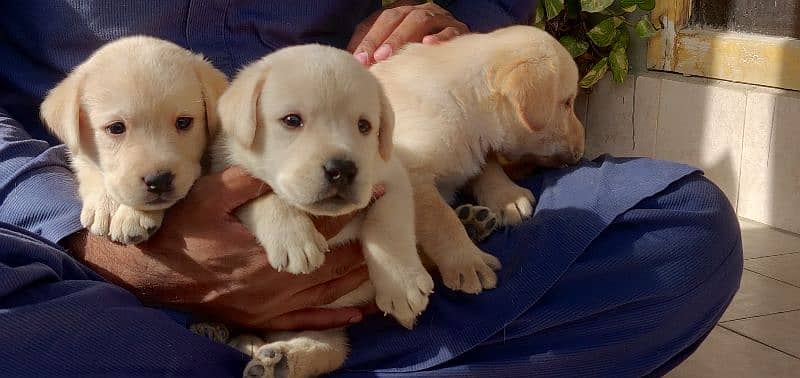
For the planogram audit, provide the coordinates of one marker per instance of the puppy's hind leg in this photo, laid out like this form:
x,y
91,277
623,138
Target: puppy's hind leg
x,y
478,221
299,355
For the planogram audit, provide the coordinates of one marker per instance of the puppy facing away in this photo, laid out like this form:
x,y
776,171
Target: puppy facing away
x,y
136,117
314,124
462,106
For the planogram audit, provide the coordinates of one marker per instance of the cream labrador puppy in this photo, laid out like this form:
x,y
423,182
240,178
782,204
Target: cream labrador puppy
x,y
136,117
316,126
461,108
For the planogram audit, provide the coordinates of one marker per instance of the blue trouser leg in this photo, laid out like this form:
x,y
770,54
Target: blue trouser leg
x,y
635,301
649,287
57,318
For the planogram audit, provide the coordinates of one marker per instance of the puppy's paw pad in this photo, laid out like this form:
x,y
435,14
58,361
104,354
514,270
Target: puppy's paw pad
x,y
478,221
282,359
214,331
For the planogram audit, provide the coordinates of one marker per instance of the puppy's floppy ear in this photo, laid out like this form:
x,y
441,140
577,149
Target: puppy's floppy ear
x,y
520,81
238,106
386,129
61,110
214,83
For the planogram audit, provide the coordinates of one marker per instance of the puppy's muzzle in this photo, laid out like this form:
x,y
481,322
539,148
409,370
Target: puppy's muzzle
x,y
340,173
160,182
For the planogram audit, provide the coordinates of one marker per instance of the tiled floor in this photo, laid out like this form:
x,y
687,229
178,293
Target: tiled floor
x,y
759,335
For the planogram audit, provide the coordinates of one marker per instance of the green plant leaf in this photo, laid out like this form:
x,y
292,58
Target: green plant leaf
x,y
618,62
623,37
594,6
629,8
603,34
645,28
553,7
628,3
595,74
647,5
612,11
539,17
575,46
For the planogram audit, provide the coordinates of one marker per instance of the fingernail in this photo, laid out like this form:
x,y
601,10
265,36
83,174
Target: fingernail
x,y
383,52
430,40
362,57
355,319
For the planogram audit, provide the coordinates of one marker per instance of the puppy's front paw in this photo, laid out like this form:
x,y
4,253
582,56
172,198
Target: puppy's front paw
x,y
478,221
295,247
285,359
404,297
511,202
470,270
131,226
96,214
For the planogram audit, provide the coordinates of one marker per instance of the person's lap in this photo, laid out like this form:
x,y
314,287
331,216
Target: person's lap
x,y
626,264
636,298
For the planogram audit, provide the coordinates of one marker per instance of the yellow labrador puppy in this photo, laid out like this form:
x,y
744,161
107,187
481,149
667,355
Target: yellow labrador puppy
x,y
136,117
315,125
461,104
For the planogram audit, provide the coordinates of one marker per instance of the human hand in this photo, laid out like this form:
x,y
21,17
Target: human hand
x,y
381,34
203,260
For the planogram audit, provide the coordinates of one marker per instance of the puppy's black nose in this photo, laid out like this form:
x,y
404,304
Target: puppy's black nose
x,y
159,182
340,172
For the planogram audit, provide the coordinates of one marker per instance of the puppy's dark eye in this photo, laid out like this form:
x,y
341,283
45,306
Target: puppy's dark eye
x,y
292,121
364,126
116,128
183,123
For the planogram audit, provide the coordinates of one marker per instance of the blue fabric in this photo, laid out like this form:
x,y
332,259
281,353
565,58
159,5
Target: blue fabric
x,y
625,266
606,279
38,191
42,40
58,318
